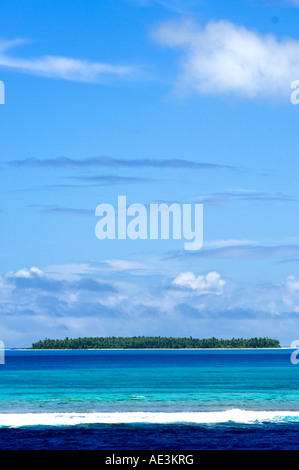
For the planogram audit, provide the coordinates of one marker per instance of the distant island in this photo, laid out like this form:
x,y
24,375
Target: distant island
x,y
154,342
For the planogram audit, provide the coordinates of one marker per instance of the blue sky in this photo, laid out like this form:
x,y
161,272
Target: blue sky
x,y
161,101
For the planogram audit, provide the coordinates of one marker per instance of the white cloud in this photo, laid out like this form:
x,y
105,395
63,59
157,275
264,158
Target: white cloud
x,y
292,284
225,58
62,67
28,273
211,283
290,297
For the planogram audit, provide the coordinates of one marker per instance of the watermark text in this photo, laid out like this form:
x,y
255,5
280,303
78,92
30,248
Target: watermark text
x,y
158,221
294,355
2,92
295,93
2,352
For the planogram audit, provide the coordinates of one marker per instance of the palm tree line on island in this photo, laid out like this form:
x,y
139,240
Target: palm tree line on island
x,y
154,342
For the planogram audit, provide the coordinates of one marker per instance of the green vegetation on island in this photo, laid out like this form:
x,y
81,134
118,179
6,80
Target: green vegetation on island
x,y
154,342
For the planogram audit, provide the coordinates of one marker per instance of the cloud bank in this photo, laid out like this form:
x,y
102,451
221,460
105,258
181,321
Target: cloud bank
x,y
110,299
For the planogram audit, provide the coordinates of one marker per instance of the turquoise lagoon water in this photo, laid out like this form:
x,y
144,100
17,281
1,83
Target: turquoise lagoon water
x,y
146,393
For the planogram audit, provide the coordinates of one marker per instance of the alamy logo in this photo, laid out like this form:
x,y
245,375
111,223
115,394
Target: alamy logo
x,y
2,93
2,351
294,355
151,222
295,93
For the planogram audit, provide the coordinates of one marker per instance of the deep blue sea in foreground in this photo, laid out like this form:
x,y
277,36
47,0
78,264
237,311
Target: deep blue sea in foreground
x,y
149,400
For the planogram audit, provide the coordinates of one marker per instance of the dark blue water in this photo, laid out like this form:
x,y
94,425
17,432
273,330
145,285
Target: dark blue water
x,y
153,437
167,400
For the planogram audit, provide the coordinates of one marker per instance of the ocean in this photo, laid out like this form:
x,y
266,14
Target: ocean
x,y
149,400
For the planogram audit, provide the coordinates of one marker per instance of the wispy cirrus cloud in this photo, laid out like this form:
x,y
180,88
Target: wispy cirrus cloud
x,y
67,211
85,182
245,195
243,251
110,179
229,243
59,67
110,162
177,6
225,58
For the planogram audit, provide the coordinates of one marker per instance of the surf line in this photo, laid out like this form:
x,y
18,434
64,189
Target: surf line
x,y
111,226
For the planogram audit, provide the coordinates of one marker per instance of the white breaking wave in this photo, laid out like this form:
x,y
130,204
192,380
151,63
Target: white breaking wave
x,y
71,419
